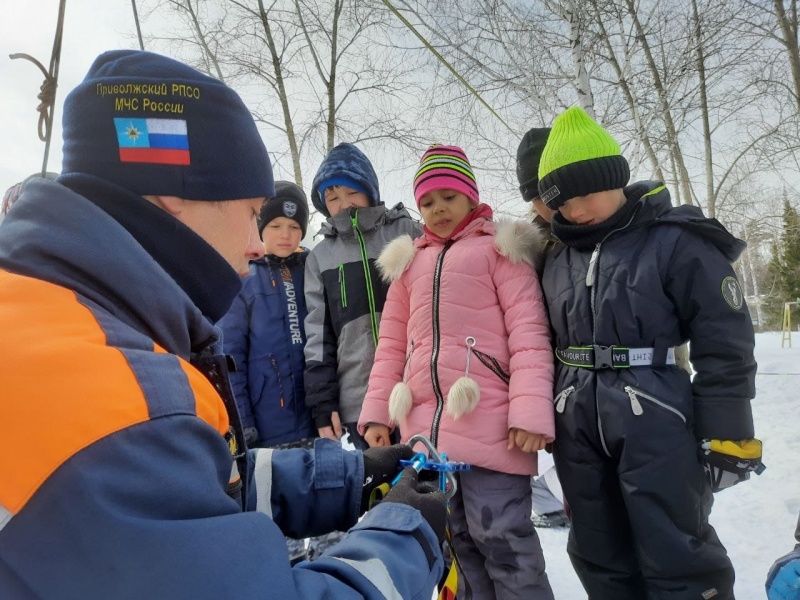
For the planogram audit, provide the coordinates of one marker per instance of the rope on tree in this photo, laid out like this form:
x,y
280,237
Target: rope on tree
x,y
47,93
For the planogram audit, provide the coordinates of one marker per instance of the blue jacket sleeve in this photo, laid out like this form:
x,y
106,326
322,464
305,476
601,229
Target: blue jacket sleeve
x,y
143,513
235,326
391,553
307,493
714,316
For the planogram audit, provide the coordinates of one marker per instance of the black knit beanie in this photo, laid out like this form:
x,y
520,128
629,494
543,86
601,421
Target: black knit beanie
x,y
289,201
528,155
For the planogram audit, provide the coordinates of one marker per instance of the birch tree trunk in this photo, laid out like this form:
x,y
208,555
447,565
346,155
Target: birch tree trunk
x,y
676,154
711,203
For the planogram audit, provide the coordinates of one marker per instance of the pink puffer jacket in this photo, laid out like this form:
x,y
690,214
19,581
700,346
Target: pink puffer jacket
x,y
487,292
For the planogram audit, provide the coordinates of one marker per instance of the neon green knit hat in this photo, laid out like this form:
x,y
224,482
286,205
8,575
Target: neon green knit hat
x,y
580,158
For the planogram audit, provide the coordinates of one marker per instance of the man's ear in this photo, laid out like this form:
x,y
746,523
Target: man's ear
x,y
172,204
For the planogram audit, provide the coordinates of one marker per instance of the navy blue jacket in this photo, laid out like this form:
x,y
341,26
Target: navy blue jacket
x,y
660,280
264,333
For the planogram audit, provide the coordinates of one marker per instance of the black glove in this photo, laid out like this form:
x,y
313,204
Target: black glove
x,y
424,496
250,436
729,462
381,465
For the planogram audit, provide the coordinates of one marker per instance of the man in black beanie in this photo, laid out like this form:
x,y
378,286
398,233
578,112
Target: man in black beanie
x,y
138,483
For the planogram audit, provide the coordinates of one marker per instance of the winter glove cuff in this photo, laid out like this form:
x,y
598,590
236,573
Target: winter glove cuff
x,y
728,462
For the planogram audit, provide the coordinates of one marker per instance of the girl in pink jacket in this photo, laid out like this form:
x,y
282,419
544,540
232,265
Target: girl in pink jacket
x,y
464,357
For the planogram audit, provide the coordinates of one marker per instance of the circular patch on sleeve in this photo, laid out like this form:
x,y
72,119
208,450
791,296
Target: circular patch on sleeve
x,y
732,292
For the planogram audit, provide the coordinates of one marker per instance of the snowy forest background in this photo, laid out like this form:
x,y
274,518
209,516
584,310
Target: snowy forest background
x,y
702,94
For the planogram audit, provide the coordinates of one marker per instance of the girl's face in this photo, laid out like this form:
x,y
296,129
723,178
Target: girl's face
x,y
592,208
281,236
443,210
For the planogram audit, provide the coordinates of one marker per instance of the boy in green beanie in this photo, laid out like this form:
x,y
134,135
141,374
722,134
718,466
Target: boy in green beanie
x,y
639,446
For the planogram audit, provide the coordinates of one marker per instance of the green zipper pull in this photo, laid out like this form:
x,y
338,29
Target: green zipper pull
x,y
342,286
373,317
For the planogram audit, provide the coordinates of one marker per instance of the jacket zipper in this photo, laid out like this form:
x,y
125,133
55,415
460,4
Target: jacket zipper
x,y
373,317
407,365
561,399
590,283
492,364
342,286
278,375
636,406
437,390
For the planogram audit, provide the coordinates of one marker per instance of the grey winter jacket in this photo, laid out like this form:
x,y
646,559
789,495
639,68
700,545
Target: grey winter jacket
x,y
345,296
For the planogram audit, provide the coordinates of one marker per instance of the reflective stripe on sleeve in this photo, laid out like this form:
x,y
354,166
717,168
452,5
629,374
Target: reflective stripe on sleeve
x,y
5,517
262,477
377,574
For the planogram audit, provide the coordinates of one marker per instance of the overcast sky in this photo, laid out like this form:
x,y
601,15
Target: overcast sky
x,y
28,26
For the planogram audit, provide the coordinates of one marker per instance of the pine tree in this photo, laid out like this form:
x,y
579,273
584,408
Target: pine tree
x,y
784,268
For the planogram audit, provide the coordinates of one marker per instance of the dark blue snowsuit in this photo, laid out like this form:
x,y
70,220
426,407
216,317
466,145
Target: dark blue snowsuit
x,y
626,445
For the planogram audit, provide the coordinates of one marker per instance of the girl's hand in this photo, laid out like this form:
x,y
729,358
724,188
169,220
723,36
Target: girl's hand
x,y
525,440
377,435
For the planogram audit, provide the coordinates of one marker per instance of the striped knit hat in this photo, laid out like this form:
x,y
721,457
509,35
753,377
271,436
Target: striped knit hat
x,y
445,168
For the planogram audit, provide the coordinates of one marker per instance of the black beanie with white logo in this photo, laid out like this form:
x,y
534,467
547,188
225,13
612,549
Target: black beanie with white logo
x,y
289,201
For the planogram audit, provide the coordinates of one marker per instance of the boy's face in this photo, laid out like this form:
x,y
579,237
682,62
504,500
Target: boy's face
x,y
592,208
341,197
443,210
542,209
281,236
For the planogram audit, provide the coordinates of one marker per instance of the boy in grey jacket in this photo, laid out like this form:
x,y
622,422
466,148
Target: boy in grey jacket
x,y
344,292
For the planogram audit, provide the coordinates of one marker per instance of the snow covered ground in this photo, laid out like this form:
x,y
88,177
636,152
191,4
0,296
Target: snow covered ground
x,y
756,519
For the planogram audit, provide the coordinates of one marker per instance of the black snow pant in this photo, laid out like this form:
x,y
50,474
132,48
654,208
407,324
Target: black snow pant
x,y
639,499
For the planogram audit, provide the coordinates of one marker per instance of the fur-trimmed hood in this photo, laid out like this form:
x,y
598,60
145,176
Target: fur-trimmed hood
x,y
518,241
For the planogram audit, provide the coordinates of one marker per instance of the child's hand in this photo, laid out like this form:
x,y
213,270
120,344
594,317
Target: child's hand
x,y
334,431
377,435
525,440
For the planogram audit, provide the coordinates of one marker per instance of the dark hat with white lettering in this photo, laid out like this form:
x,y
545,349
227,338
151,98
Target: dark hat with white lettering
x,y
156,126
289,201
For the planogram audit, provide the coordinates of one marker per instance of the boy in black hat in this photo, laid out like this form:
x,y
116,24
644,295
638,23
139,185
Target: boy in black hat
x,y
264,333
639,446
548,500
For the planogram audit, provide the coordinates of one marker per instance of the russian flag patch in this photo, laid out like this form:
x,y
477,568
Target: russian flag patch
x,y
157,141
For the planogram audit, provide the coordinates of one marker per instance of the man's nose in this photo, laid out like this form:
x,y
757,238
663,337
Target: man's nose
x,y
255,247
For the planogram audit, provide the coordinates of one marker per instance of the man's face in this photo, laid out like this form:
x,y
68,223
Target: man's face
x,y
229,227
